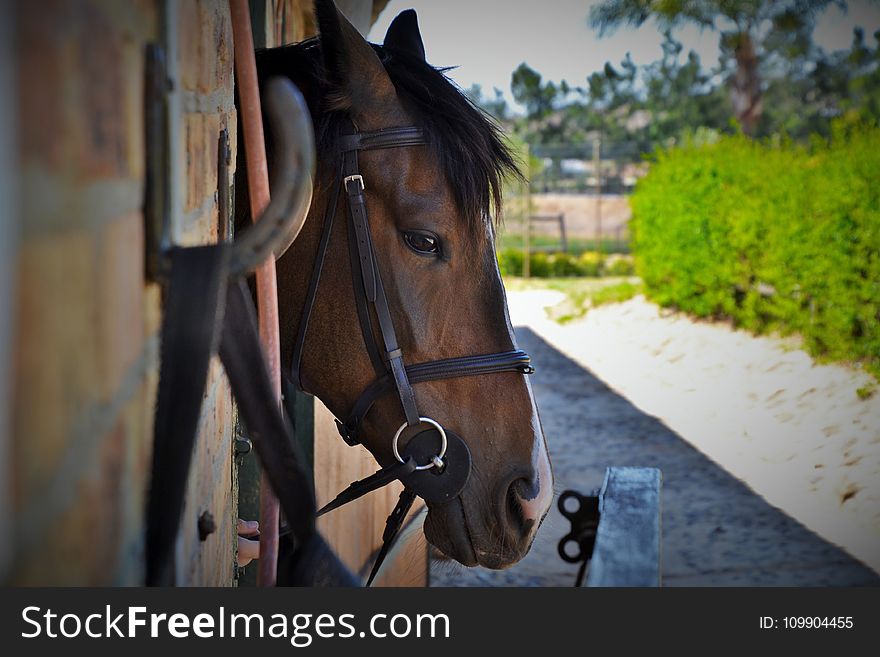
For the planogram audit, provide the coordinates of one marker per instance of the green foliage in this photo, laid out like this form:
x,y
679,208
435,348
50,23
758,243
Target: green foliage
x,y
755,38
576,245
564,265
578,304
581,294
774,235
589,263
513,239
510,262
867,391
616,293
618,266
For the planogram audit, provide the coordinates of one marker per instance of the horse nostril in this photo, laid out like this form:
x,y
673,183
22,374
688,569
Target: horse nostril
x,y
520,516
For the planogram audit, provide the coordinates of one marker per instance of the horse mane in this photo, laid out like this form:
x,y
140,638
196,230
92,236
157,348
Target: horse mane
x,y
469,145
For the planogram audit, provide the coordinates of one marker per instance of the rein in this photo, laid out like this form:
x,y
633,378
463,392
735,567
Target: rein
x,y
435,448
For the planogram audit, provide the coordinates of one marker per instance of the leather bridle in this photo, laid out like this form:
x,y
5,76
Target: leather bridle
x,y
422,453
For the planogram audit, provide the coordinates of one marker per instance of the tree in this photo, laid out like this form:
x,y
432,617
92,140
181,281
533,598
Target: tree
x,y
751,31
496,107
546,119
532,92
680,96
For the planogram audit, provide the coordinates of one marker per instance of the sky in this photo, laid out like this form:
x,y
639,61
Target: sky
x,y
488,39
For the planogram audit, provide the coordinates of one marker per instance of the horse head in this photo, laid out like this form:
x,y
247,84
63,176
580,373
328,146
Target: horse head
x,y
430,205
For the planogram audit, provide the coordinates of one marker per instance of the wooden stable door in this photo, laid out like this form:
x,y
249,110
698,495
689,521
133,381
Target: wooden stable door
x,y
355,530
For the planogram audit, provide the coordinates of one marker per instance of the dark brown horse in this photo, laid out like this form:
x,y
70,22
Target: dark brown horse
x,y
429,215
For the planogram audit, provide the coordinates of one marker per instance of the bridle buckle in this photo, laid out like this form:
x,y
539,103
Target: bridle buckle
x,y
356,177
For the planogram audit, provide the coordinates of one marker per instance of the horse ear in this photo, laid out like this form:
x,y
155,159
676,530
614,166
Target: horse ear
x,y
403,34
351,65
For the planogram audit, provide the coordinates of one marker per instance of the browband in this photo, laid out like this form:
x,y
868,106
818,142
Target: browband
x,y
387,138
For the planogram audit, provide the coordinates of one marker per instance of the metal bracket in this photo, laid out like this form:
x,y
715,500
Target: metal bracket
x,y
157,184
281,220
584,521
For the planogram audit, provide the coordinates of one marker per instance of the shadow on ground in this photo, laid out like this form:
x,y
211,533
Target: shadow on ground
x,y
716,531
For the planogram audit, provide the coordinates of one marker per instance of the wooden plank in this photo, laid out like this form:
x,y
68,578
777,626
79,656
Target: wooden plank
x,y
354,531
407,563
627,551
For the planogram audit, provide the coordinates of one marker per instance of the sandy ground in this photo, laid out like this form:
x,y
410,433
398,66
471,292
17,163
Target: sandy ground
x,y
794,431
580,213
628,385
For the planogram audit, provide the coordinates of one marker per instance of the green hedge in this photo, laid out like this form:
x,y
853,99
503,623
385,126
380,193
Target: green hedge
x,y
560,265
773,235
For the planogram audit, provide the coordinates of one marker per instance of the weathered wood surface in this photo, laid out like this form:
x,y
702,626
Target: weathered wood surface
x,y
627,551
354,531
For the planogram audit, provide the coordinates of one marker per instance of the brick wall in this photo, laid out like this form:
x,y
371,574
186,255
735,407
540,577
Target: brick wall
x,y
79,318
86,321
86,324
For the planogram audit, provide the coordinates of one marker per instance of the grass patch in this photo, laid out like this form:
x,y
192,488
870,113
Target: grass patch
x,y
576,245
511,262
867,391
581,294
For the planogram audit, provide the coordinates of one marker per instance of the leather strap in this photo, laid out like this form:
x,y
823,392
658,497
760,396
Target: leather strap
x,y
314,282
310,562
373,288
202,310
365,317
357,208
379,479
194,302
378,139
516,361
392,529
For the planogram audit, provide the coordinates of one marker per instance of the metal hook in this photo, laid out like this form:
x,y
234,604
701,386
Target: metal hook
x,y
281,222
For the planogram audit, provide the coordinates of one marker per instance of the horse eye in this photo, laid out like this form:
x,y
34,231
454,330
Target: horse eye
x,y
422,243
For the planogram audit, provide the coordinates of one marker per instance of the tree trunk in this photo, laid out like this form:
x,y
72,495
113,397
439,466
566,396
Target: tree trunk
x,y
745,84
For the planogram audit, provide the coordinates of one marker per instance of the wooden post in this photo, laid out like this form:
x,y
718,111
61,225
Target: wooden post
x,y
597,172
563,237
627,550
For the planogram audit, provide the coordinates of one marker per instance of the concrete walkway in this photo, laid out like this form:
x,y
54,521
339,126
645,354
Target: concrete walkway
x,y
716,531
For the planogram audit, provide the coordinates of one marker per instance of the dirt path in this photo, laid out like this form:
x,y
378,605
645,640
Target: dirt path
x,y
716,530
581,212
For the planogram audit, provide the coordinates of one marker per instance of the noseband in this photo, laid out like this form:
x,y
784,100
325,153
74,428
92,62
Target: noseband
x,y
450,459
